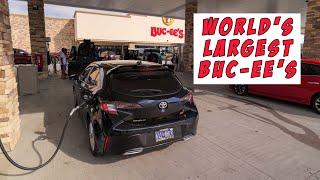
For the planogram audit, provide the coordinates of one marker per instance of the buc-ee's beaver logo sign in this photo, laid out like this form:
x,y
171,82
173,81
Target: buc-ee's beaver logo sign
x,y
166,31
167,21
247,48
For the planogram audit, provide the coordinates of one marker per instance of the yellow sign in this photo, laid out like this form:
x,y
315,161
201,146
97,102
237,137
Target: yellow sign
x,y
167,21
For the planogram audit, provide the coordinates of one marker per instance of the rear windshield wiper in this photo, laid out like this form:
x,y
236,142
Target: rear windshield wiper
x,y
146,90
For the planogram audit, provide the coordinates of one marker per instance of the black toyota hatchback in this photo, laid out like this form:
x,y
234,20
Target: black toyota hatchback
x,y
133,106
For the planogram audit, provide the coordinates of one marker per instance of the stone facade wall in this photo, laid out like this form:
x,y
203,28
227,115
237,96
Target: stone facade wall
x,y
9,104
191,7
311,47
61,32
20,32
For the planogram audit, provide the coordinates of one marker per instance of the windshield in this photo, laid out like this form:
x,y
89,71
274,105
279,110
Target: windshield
x,y
146,83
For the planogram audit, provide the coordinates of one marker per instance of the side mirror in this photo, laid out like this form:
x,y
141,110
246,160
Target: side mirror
x,y
86,97
83,84
74,77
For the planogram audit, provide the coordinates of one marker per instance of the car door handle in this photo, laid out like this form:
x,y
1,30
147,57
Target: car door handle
x,y
314,82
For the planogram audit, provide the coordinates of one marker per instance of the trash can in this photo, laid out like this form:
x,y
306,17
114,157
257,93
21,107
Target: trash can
x,y
27,78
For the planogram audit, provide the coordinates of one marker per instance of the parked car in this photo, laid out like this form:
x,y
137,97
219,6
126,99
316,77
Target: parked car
x,y
308,92
21,57
109,55
132,54
133,106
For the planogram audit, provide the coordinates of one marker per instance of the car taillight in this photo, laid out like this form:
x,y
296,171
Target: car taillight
x,y
124,105
187,98
111,107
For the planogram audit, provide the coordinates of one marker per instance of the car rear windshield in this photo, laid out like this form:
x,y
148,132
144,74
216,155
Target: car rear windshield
x,y
145,83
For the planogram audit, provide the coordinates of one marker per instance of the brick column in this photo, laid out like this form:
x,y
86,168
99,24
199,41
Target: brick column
x,y
37,30
9,105
191,7
311,47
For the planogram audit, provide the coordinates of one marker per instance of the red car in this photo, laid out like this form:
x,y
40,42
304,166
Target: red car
x,y
308,92
21,57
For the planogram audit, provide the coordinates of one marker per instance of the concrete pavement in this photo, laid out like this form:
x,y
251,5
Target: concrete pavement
x,y
247,138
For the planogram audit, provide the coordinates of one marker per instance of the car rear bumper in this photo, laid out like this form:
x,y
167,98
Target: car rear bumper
x,y
143,139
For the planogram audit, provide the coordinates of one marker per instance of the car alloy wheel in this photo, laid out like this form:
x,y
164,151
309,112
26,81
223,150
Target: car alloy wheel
x,y
96,140
75,99
92,137
76,103
316,103
240,90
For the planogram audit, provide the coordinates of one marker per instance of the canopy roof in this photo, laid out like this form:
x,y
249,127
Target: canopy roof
x,y
172,8
176,8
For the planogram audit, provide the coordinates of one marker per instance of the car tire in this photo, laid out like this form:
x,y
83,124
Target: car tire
x,y
316,103
75,99
240,90
96,141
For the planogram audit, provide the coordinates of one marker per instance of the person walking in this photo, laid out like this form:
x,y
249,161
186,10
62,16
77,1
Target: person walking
x,y
63,62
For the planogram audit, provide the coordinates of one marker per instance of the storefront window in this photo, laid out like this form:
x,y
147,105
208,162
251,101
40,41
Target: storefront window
x,y
109,48
144,47
118,50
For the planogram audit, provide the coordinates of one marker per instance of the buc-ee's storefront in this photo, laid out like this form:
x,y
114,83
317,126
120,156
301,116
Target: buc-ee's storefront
x,y
121,32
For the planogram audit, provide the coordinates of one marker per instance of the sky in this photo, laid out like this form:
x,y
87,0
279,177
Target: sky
x,y
20,7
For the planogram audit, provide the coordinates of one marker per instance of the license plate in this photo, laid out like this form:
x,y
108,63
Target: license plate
x,y
164,134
